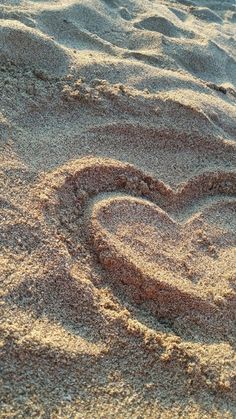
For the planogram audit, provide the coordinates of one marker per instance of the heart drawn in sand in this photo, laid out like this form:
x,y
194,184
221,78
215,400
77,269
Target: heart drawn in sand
x,y
177,266
180,266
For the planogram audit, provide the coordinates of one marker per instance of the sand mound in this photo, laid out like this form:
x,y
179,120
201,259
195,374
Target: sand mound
x,y
164,26
206,14
205,60
78,26
26,46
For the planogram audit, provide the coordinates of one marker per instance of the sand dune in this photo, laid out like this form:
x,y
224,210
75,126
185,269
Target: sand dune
x,y
117,208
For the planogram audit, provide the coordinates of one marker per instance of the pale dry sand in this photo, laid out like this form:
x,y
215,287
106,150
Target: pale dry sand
x,y
117,206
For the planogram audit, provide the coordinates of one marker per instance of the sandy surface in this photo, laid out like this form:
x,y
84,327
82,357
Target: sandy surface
x,y
117,209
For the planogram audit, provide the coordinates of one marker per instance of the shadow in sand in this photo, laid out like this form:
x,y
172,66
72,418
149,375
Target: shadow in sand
x,y
20,235
30,370
72,302
62,299
212,327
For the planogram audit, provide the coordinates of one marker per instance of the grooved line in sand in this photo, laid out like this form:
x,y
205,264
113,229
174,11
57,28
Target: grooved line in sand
x,y
133,235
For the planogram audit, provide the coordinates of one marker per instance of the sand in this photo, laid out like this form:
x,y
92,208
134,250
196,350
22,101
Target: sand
x,y
117,209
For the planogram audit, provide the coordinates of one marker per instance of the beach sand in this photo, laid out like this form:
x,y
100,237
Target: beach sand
x,y
118,209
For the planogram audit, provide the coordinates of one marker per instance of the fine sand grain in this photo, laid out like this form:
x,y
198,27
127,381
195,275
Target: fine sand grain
x,y
118,209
